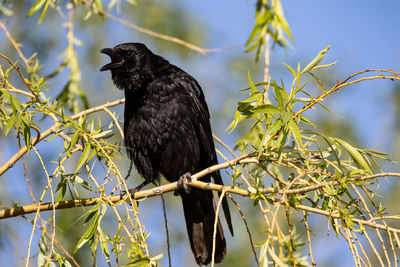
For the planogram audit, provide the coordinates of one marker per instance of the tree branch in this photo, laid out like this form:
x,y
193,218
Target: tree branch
x,y
53,129
244,159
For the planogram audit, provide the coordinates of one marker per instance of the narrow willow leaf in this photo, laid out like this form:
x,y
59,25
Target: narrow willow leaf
x,y
356,155
15,104
238,118
286,116
327,109
252,35
257,84
74,138
324,66
10,125
318,81
316,60
296,133
157,257
139,262
44,11
307,121
267,108
275,127
278,10
252,86
104,245
101,134
275,258
278,95
286,96
35,7
89,233
89,213
26,131
290,69
85,155
63,187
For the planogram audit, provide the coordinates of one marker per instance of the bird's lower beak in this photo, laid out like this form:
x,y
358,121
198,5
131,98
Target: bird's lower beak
x,y
116,60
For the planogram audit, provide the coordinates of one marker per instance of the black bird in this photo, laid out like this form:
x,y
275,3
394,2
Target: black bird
x,y
167,131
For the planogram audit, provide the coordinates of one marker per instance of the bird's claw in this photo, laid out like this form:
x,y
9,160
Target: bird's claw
x,y
131,192
182,182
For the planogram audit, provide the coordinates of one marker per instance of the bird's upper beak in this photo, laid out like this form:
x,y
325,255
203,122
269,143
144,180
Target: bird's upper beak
x,y
116,59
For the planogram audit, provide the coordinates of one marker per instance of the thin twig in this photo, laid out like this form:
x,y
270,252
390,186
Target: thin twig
x,y
347,238
52,200
27,83
15,44
308,238
377,232
26,171
346,83
115,122
247,227
221,197
166,230
160,35
60,246
362,250
292,250
53,129
365,232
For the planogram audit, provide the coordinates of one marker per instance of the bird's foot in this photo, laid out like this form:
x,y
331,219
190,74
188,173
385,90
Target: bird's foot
x,y
132,191
182,183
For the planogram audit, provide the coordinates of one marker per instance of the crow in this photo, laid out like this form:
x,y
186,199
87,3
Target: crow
x,y
167,131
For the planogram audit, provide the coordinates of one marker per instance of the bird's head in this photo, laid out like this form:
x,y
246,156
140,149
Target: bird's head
x,y
127,55
128,65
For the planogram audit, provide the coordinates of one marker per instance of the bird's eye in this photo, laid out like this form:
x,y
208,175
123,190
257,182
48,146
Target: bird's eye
x,y
129,53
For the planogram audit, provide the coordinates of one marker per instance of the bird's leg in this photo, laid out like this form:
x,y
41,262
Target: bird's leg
x,y
182,183
132,191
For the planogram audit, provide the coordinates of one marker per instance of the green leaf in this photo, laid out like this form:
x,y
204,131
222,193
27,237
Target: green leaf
x,y
89,233
252,86
99,8
238,118
10,124
44,11
74,138
26,131
35,7
93,214
15,104
278,94
316,60
139,262
84,156
101,134
290,69
103,244
275,127
63,186
296,133
157,257
356,155
278,10
252,35
267,108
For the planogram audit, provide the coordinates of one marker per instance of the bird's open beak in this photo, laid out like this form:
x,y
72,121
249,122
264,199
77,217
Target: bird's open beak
x,y
116,60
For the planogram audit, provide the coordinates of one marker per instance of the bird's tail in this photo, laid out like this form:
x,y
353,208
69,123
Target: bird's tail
x,y
199,211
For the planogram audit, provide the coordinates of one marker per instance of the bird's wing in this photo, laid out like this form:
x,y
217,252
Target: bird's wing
x,y
203,128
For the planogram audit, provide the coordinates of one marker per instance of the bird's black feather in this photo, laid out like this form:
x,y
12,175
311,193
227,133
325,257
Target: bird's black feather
x,y
167,131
